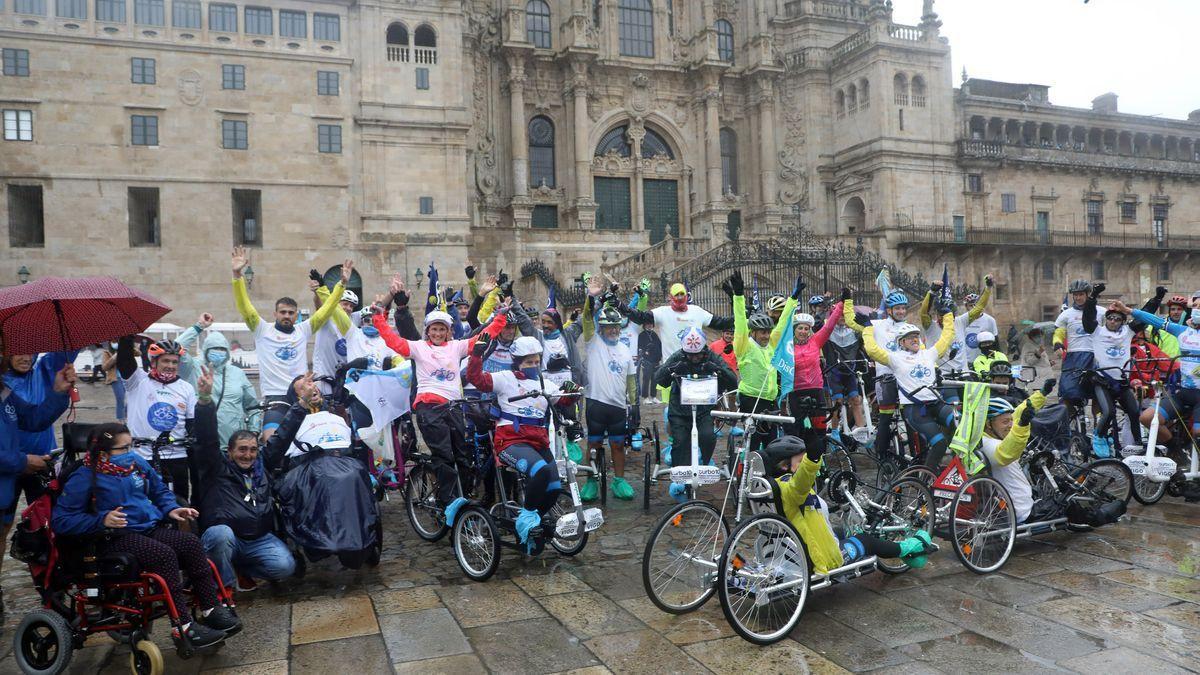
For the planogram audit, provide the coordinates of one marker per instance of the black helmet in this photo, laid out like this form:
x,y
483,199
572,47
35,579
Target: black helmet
x,y
781,450
1000,369
165,347
609,317
1080,286
760,321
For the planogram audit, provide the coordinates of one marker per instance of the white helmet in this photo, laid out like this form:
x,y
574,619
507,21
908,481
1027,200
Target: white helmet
x,y
803,317
438,316
693,341
986,336
903,330
350,297
525,346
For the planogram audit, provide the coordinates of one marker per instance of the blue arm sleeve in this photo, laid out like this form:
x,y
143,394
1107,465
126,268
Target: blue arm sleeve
x,y
163,498
70,511
38,417
1158,322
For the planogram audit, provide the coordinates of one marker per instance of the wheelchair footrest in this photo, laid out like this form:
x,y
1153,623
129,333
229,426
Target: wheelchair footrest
x,y
568,523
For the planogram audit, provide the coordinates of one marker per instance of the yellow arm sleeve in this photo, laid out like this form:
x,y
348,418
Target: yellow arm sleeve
x,y
489,305
924,311
244,307
473,287
777,332
322,315
947,337
341,320
741,328
848,315
587,318
872,347
801,482
1060,336
1014,443
977,310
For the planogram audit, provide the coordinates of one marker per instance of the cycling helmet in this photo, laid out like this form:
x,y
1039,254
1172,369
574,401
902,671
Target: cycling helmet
x,y
760,321
998,406
1000,369
895,299
609,317
904,330
323,430
350,297
802,317
971,298
985,336
781,450
1113,312
438,316
817,301
693,341
1177,300
165,347
776,303
1080,286
525,346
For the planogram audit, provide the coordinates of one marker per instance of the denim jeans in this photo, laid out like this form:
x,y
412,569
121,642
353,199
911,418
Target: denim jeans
x,y
264,558
118,388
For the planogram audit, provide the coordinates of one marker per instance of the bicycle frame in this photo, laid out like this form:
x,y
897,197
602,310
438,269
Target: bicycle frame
x,y
749,420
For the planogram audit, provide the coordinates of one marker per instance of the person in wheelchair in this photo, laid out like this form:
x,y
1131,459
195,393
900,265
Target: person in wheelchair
x,y
521,439
693,358
116,494
793,467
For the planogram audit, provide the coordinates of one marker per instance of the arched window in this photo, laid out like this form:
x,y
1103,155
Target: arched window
x,y
729,173
541,151
864,94
397,42
635,20
900,88
654,145
851,99
614,140
724,40
840,102
425,44
537,23
918,91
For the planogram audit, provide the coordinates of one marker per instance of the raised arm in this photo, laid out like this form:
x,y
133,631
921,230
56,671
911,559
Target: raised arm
x,y
741,327
1159,322
1014,442
872,348
947,337
241,259
822,336
390,338
923,313
777,332
331,303
848,311
977,311
341,320
207,451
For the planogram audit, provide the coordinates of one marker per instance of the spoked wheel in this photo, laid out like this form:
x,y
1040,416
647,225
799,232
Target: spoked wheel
x,y
376,551
1109,477
146,659
835,459
420,501
42,643
679,565
983,525
763,578
562,506
887,469
476,543
1147,491
912,508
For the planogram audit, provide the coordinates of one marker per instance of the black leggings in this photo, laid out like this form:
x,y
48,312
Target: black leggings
x,y
165,551
764,432
646,379
444,431
1105,394
886,397
934,422
542,483
862,544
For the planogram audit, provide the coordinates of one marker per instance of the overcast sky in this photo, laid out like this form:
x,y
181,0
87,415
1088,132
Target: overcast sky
x,y
1144,50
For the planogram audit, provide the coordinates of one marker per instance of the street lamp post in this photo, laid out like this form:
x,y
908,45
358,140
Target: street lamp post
x,y
248,273
419,276
23,274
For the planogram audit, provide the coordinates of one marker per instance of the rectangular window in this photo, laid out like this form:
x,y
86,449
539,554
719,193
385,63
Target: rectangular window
x,y
293,24
1164,270
426,205
30,7
1095,216
143,217
144,129
247,217
222,18
112,11
258,21
18,125
329,138
327,27
1048,272
1098,269
1050,312
185,14
635,22
16,62
233,76
1008,202
1001,292
327,83
71,9
233,135
1128,212
422,78
545,217
974,182
149,13
1159,224
26,226
142,71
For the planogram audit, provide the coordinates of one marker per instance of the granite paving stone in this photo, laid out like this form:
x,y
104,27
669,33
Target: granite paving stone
x,y
1105,590
1159,582
463,664
1003,589
1122,660
272,624
843,645
422,634
782,658
332,619
588,614
406,600
889,621
1137,631
493,602
550,584
641,651
356,655
985,656
706,623
530,646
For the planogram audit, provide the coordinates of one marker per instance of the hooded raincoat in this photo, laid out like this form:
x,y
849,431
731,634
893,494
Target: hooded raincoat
x,y
232,392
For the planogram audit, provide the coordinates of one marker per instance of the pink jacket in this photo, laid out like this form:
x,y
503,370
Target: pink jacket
x,y
808,355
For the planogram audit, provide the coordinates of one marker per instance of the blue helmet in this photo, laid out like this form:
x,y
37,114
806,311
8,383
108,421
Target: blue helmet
x,y
895,299
816,300
998,406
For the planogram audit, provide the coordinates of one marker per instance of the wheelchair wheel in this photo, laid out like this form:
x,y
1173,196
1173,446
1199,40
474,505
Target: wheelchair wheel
x,y
835,459
1147,491
146,659
983,525
476,543
376,551
566,547
912,505
647,472
763,578
679,563
42,643
420,501
1108,477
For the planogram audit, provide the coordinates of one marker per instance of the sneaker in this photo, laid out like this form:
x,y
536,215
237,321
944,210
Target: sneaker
x,y
621,488
452,510
245,584
223,619
678,492
738,432
590,491
199,635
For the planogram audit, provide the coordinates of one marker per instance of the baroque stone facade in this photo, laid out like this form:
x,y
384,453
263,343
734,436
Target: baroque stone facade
x,y
630,134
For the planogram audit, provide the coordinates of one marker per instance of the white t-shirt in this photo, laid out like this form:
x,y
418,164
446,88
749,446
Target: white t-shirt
x,y
1012,477
373,349
154,407
885,336
1078,339
672,325
914,370
966,338
608,366
1111,350
282,357
329,350
506,385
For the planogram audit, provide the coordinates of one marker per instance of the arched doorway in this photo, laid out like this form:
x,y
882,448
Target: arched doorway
x,y
854,216
334,274
635,178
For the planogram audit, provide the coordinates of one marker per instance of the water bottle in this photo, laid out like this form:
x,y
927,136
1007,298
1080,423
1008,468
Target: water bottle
x,y
636,441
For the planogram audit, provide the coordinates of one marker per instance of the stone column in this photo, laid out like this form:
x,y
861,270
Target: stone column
x,y
520,144
766,135
583,157
712,138
636,133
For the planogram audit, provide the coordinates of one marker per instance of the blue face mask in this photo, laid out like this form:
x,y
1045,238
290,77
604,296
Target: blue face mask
x,y
531,373
370,331
123,460
216,357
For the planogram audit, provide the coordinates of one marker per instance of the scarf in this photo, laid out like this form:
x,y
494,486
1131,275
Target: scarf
x,y
159,377
108,467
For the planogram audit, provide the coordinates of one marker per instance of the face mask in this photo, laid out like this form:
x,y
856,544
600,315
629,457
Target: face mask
x,y
159,377
216,357
553,335
370,331
284,329
123,460
531,373
679,304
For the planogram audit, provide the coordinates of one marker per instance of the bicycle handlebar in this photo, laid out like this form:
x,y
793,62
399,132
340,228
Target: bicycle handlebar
x,y
758,417
534,394
963,383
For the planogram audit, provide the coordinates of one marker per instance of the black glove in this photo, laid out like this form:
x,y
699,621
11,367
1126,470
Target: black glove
x,y
574,316
846,294
609,298
798,289
1049,386
481,345
1026,415
502,278
935,286
728,348
987,281
1160,292
401,299
568,387
1098,289
506,289
470,270
316,276
727,287
736,283
945,306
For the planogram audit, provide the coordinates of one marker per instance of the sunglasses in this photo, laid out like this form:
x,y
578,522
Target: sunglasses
x,y
121,448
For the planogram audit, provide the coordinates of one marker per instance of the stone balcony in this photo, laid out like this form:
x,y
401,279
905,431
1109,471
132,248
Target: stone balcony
x,y
1063,156
908,237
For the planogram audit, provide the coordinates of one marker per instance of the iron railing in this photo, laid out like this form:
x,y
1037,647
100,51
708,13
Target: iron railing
x,y
1034,237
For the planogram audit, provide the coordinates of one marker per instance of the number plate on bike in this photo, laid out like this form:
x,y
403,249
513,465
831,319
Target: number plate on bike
x,y
695,475
703,391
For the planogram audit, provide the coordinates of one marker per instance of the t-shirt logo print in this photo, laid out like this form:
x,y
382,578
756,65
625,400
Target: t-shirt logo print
x,y
1115,351
920,372
972,340
340,346
613,366
286,353
443,375
162,416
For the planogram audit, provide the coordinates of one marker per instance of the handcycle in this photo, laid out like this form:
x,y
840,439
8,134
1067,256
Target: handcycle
x,y
477,530
1155,474
694,392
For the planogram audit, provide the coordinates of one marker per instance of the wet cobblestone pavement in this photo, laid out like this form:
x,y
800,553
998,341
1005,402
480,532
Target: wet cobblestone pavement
x,y
1125,598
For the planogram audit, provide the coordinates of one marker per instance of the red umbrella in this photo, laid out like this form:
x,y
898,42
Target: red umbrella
x,y
55,314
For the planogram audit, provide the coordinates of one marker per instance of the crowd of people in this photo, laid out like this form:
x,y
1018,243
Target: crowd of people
x,y
188,476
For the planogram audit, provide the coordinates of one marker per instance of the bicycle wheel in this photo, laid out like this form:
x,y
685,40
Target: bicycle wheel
x,y
763,578
836,458
910,507
983,525
887,469
1147,491
1109,477
564,505
679,563
420,502
476,543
